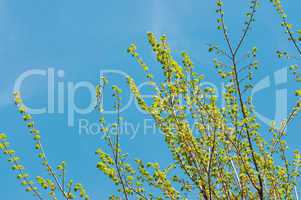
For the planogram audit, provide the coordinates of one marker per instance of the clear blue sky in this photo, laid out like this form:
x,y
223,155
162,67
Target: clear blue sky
x,y
84,37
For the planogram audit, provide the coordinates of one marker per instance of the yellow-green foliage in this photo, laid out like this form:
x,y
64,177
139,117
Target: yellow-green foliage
x,y
223,154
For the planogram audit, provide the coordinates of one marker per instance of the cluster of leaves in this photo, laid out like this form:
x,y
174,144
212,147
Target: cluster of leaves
x,y
294,36
224,152
56,184
219,152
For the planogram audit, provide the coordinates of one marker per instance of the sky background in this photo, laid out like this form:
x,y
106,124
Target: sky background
x,y
84,37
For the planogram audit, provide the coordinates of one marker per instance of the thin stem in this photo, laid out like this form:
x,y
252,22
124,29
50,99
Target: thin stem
x,y
36,193
52,173
249,22
117,168
292,38
115,150
236,79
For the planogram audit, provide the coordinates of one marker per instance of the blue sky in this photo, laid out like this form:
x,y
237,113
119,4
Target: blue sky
x,y
84,37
